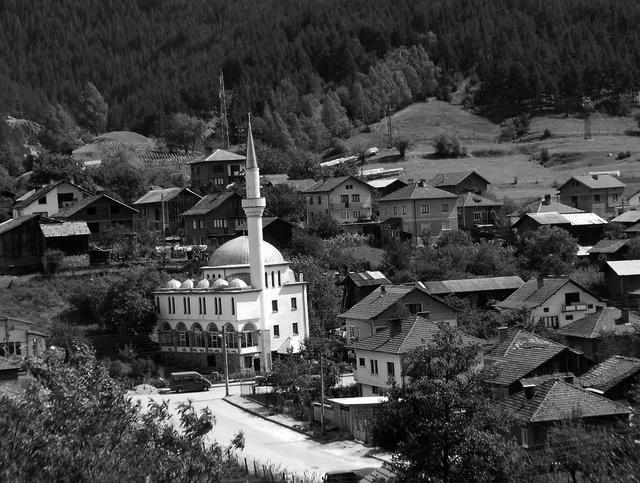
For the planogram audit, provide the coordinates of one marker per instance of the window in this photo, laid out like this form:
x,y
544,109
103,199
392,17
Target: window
x,y
404,209
414,308
572,298
349,186
43,200
91,210
361,362
355,198
445,207
195,224
276,331
589,306
395,211
424,209
233,306
156,214
274,305
172,305
446,225
525,437
294,303
373,366
295,328
204,305
614,196
385,211
273,279
574,201
157,305
201,222
218,181
477,216
596,198
425,228
356,214
114,209
376,390
391,369
310,200
319,200
545,309
220,223
568,317
186,304
352,334
266,279
279,279
345,214
550,322
344,199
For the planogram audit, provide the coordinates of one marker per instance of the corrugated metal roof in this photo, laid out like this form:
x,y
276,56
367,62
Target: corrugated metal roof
x,y
362,279
219,155
631,216
209,203
67,228
625,267
156,196
581,219
358,401
382,182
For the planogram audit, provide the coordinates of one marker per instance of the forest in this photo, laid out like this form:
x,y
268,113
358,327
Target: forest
x,y
293,62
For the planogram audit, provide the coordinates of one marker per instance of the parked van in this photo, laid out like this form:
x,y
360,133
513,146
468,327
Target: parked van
x,y
188,381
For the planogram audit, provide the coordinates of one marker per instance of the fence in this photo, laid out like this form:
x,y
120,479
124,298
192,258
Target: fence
x,y
273,473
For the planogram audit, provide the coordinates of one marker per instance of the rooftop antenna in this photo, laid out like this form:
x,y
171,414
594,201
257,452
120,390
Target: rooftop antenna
x,y
223,112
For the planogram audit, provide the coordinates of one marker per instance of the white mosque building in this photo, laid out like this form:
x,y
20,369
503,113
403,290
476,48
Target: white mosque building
x,y
247,294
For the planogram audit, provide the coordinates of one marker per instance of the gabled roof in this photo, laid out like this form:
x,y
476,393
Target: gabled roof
x,y
219,155
633,228
582,219
542,206
73,209
610,373
470,200
547,218
378,301
67,228
266,221
520,354
166,194
329,184
631,216
296,184
453,179
608,246
529,295
384,182
415,331
36,194
210,203
417,192
556,400
622,268
9,225
473,285
364,279
607,319
599,181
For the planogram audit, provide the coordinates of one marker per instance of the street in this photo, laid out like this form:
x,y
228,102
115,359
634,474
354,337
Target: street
x,y
270,443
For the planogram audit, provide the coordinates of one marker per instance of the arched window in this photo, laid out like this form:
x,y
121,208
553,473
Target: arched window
x,y
214,336
165,335
182,334
279,279
198,338
232,336
165,327
248,337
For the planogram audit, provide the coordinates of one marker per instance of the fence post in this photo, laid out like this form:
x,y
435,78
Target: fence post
x,y
246,468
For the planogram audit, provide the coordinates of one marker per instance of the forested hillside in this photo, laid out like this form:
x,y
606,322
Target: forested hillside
x,y
152,58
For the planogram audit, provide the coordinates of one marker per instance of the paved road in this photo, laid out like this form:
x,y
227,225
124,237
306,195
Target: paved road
x,y
268,442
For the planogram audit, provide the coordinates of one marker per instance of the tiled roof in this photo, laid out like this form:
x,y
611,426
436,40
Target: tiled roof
x,y
452,179
608,246
610,373
633,228
474,285
417,192
67,228
9,225
597,181
545,207
622,268
415,332
156,196
363,279
471,199
209,203
530,296
607,319
520,354
73,209
33,195
556,400
219,155
329,184
631,216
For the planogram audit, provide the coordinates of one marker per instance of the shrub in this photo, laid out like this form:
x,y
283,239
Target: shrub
x,y
53,260
402,145
448,146
544,155
546,134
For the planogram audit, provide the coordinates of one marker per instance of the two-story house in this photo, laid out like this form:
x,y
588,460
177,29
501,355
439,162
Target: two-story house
x,y
598,193
587,228
379,357
424,210
160,208
216,170
346,199
460,182
552,301
477,212
543,205
214,219
49,199
386,302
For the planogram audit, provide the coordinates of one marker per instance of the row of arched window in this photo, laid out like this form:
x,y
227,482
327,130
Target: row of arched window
x,y
211,338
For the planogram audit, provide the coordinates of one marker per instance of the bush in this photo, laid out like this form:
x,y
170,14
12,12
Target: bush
x,y
546,134
402,145
448,146
53,261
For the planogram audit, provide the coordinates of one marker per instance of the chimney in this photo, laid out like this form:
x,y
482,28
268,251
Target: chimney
x,y
625,316
547,200
395,326
568,378
422,182
594,176
383,290
529,391
502,333
540,282
424,315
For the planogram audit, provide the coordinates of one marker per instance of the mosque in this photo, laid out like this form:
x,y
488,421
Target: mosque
x,y
247,295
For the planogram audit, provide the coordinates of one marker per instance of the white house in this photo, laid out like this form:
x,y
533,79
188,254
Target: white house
x,y
247,294
554,302
49,199
18,338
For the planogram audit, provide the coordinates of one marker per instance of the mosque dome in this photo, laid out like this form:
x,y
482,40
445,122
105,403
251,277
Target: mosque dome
x,y
188,283
237,283
173,283
220,283
236,252
204,283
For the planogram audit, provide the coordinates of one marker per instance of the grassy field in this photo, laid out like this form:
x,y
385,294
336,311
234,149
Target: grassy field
x,y
503,163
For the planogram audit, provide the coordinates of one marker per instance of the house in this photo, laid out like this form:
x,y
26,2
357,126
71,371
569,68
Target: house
x,y
520,354
476,212
213,220
274,230
49,199
597,193
216,170
481,291
623,281
628,218
160,209
460,182
424,210
355,415
552,301
248,307
614,377
379,356
19,338
606,250
100,212
540,406
357,285
544,205
386,302
24,240
583,334
631,196
345,199
384,186
587,228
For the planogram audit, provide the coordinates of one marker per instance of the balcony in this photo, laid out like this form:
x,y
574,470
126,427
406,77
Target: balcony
x,y
574,308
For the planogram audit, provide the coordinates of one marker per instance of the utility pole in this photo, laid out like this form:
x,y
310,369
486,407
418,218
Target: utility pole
x,y
226,361
322,383
223,112
389,128
164,227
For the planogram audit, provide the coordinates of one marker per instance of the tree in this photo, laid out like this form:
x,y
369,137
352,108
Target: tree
x,y
285,202
184,130
549,251
56,167
322,225
402,144
441,424
92,110
74,423
118,176
615,231
447,146
304,165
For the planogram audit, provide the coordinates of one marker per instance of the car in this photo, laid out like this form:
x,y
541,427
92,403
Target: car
x,y
372,151
268,379
188,381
